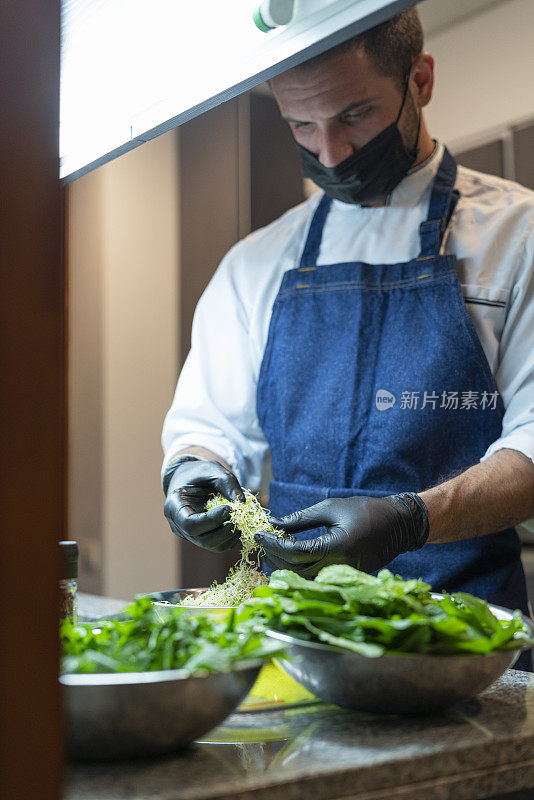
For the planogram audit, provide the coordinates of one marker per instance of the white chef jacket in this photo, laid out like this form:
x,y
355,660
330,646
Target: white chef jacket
x,y
492,235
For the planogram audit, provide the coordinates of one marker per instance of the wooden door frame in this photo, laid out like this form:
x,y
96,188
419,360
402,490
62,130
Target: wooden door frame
x,y
32,400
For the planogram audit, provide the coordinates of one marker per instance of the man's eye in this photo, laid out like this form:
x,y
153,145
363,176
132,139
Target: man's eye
x,y
356,115
300,125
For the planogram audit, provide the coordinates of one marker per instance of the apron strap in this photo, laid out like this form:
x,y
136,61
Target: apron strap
x,y
310,252
442,204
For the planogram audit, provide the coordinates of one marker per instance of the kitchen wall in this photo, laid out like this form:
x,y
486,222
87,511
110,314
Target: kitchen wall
x,y
139,259
123,244
484,69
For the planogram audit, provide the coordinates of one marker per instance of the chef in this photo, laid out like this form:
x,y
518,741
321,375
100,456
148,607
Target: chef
x,y
377,340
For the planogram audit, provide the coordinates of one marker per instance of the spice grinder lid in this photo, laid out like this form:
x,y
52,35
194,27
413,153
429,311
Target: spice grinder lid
x,y
69,560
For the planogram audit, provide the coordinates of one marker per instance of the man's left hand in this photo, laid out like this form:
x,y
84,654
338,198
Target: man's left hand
x,y
365,532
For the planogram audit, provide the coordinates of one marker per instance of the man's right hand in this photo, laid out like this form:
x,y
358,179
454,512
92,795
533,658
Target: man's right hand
x,y
191,484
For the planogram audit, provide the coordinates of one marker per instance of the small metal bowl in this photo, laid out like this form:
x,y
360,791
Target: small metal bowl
x,y
139,714
273,689
164,602
393,684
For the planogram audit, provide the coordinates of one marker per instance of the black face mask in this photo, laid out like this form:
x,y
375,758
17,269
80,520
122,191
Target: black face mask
x,y
371,173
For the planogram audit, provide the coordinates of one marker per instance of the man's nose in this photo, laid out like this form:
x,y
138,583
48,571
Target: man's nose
x,y
334,149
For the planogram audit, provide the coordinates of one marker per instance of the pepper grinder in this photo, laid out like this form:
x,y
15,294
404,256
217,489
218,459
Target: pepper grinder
x,y
68,587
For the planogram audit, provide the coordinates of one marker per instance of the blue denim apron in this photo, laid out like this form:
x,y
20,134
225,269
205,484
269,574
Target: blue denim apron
x,y
373,382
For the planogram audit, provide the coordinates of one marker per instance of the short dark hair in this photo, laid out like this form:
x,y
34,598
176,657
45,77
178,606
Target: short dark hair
x,y
390,46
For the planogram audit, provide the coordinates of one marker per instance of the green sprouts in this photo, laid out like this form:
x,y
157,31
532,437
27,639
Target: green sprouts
x,y
249,518
238,586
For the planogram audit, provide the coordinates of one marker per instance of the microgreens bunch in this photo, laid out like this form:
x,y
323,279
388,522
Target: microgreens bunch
x,y
238,586
249,518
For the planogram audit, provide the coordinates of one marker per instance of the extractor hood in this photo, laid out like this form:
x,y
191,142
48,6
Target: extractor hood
x,y
132,69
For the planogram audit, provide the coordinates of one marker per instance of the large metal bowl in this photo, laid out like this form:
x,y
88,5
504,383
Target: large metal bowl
x,y
138,714
393,684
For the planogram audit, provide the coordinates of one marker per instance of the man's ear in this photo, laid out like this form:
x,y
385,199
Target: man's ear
x,y
422,79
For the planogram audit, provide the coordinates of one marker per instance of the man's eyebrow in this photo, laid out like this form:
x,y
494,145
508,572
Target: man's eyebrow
x,y
350,107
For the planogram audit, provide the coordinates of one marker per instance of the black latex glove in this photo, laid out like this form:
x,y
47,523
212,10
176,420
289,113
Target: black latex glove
x,y
365,532
188,484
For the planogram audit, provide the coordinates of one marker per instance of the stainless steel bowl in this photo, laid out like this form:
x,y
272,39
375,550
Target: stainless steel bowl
x,y
164,602
393,684
138,714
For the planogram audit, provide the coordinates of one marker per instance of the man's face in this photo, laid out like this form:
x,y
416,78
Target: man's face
x,y
337,106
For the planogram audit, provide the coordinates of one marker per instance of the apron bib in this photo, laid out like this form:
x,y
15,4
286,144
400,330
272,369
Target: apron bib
x,y
374,382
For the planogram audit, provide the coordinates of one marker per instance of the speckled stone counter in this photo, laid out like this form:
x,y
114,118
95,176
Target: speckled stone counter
x,y
478,750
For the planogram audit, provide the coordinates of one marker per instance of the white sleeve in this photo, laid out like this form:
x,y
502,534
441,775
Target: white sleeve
x,y
515,371
215,401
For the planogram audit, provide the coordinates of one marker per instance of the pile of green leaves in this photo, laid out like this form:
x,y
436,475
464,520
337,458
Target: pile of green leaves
x,y
371,615
141,641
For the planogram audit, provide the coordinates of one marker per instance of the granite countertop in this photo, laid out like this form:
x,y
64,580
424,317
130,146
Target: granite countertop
x,y
477,750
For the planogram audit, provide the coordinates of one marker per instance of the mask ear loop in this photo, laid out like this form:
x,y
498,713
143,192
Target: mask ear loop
x,y
406,84
415,148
